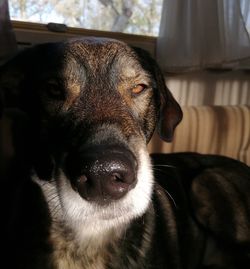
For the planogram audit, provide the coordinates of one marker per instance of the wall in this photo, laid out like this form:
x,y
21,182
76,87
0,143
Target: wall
x,y
211,88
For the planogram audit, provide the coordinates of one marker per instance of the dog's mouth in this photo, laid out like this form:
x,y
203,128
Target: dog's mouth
x,y
102,174
102,186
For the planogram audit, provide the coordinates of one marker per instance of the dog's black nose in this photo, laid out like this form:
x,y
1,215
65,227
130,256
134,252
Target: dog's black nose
x,y
106,173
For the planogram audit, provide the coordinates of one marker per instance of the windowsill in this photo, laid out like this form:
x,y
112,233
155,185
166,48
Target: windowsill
x,y
28,33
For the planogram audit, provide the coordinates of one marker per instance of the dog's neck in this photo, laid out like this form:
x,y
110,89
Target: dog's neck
x,y
72,250
105,250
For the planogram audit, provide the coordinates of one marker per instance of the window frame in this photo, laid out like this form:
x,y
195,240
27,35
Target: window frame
x,y
29,33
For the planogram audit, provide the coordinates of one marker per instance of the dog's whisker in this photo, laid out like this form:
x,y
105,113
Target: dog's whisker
x,y
157,169
170,196
42,184
55,216
52,197
55,209
164,165
52,193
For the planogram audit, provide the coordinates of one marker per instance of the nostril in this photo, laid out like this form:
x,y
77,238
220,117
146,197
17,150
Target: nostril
x,y
116,177
81,187
82,179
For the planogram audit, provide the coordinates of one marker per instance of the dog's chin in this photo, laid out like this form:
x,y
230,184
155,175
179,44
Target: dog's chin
x,y
92,219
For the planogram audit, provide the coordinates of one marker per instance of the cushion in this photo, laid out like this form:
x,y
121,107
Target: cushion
x,y
223,130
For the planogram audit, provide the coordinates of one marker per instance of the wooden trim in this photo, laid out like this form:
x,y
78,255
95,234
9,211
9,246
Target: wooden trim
x,y
28,33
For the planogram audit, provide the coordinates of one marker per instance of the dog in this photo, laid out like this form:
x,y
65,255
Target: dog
x,y
82,191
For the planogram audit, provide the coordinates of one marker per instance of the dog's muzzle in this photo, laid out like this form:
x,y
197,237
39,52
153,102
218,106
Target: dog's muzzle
x,y
102,173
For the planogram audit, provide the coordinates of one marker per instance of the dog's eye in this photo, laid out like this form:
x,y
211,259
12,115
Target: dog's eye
x,y
139,88
53,89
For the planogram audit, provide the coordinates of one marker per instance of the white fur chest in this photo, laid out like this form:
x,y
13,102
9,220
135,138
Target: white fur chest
x,y
69,253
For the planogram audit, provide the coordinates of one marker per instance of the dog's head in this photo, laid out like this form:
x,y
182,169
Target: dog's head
x,y
91,107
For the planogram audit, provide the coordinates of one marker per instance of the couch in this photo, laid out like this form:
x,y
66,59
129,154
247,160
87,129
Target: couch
x,y
223,130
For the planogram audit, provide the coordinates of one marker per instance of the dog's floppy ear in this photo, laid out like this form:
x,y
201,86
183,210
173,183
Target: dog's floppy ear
x,y
170,113
11,76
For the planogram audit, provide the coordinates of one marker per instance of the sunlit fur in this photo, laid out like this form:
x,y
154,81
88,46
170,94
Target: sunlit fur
x,y
90,221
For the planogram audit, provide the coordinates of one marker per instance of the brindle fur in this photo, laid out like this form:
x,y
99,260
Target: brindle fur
x,y
77,94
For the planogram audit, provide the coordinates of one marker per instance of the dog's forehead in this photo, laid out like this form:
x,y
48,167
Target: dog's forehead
x,y
101,48
95,44
101,53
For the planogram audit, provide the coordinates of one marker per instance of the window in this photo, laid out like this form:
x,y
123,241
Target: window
x,y
245,12
141,17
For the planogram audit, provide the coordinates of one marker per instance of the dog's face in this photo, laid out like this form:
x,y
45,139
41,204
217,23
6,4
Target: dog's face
x,y
91,107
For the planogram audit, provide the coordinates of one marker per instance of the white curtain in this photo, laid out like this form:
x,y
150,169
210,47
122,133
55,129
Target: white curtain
x,y
197,34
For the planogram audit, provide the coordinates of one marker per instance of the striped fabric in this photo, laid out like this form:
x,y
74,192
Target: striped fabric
x,y
223,130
